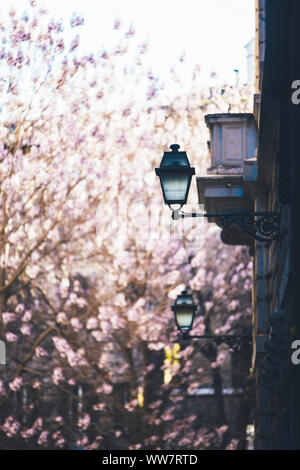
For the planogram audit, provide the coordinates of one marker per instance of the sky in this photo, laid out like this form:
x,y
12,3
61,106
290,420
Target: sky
x,y
212,33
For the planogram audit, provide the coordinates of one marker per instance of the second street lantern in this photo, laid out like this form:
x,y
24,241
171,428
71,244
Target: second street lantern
x,y
184,310
175,175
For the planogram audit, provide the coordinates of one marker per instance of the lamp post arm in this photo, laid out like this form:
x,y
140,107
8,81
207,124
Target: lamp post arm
x,y
238,343
262,226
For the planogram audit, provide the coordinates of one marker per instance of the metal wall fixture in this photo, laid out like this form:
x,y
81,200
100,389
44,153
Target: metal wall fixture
x,y
184,310
175,173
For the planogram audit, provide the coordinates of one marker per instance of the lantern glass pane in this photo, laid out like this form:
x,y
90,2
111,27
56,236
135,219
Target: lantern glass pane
x,y
175,186
184,319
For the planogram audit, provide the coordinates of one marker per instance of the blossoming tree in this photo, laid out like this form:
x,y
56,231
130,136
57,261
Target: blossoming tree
x,y
90,261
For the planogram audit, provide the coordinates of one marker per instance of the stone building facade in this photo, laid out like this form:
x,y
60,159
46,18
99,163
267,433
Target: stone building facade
x,y
276,274
256,168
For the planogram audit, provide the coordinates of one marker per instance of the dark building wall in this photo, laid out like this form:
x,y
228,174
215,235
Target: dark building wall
x,y
277,379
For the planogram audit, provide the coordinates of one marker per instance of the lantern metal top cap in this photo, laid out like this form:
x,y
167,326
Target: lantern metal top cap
x,y
184,299
175,159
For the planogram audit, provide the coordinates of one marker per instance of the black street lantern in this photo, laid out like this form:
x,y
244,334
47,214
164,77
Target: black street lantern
x,y
175,174
184,311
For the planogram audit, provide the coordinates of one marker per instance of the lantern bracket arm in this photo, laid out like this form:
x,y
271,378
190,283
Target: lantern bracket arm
x,y
262,226
237,343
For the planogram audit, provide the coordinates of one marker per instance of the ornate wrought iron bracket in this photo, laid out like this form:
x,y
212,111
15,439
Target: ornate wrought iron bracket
x,y
237,343
262,226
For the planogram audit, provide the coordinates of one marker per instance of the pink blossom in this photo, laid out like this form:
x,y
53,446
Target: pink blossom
x,y
232,444
60,442
233,304
208,305
26,434
99,406
77,20
92,323
117,24
98,335
76,286
16,384
81,302
19,308
74,44
25,330
107,388
57,375
38,424
61,317
130,32
60,45
106,327
27,316
220,360
84,422
193,387
40,352
167,416
43,437
64,285
82,441
72,298
76,325
130,406
10,427
8,317
2,389
135,447
65,350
